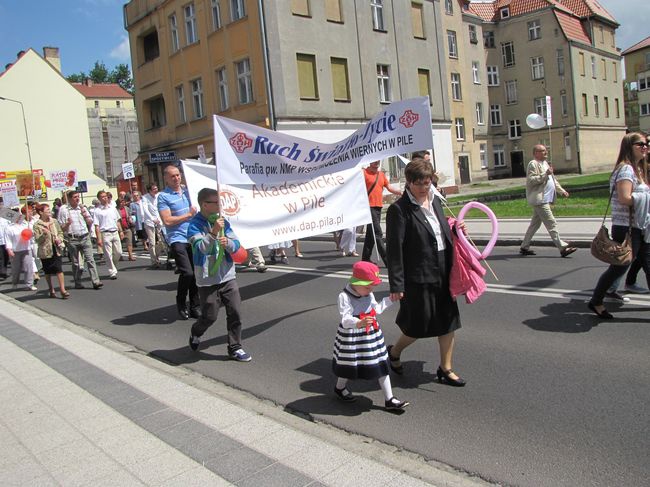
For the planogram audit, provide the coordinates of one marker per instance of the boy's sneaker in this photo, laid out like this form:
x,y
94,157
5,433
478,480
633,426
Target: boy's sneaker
x,y
636,289
239,355
261,268
616,297
394,404
194,342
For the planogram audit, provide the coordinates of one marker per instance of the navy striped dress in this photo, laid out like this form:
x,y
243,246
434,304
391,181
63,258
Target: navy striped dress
x,y
359,354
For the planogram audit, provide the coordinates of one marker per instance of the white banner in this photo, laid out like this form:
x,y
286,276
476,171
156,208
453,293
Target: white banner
x,y
248,154
63,179
9,193
266,213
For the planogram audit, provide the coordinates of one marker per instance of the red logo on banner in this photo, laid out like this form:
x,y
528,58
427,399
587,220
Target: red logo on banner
x,y
240,142
409,119
229,202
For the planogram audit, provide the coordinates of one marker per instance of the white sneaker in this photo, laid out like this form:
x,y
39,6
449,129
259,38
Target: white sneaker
x,y
31,288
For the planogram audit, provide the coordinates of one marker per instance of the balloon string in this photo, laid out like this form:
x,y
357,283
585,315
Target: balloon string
x,y
472,242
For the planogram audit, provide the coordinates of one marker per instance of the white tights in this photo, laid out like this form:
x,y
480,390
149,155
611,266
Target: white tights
x,y
384,383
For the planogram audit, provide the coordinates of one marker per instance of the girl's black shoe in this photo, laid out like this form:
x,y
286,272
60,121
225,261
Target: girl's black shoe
x,y
394,404
345,395
443,377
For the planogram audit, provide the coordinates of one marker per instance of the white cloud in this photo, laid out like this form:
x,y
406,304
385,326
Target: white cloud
x,y
122,52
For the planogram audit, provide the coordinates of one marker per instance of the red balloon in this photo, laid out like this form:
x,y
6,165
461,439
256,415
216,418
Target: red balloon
x,y
48,183
240,256
26,234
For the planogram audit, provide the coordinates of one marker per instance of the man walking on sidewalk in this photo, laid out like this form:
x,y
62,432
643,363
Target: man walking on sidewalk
x,y
541,189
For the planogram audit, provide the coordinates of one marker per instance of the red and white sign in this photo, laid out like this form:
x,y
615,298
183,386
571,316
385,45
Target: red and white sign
x,y
63,179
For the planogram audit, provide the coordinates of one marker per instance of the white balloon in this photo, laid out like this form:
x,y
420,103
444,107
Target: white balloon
x,y
535,121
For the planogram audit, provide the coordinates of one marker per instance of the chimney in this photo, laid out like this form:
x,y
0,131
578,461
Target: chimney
x,y
88,82
51,55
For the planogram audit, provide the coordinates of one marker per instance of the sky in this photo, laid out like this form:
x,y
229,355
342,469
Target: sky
x,y
86,31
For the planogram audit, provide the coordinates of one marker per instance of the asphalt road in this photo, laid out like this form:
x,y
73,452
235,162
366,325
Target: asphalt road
x,y
555,397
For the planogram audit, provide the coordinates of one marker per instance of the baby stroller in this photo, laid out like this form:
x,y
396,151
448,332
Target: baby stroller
x,y
162,247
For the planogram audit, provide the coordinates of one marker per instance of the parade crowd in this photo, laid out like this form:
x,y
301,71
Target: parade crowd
x,y
419,252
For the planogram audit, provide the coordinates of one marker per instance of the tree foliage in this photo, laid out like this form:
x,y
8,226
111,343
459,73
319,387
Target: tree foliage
x,y
121,74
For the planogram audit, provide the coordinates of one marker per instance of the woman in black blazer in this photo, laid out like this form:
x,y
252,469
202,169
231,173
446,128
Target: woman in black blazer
x,y
419,252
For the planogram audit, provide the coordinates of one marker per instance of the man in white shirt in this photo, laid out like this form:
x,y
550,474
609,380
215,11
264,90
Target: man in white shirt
x,y
109,233
541,188
4,257
152,223
76,221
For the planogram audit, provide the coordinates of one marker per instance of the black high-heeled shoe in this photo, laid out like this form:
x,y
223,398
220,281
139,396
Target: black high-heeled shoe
x,y
443,377
604,314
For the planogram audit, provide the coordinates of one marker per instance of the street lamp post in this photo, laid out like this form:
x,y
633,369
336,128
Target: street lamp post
x,y
29,153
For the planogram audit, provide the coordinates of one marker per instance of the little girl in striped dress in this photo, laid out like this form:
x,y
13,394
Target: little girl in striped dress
x,y
359,349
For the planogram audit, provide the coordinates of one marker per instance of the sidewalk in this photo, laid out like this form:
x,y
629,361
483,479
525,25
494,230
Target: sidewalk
x,y
78,408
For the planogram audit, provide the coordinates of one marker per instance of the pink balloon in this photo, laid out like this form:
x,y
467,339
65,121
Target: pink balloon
x,y
240,256
495,230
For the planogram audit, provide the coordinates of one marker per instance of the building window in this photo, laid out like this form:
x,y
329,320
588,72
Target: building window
x,y
417,20
488,39
603,63
424,83
534,30
647,60
300,7
514,129
222,83
216,14
564,103
493,75
451,43
456,93
180,99
505,12
482,153
495,115
96,103
596,106
606,102
155,109
508,54
539,106
244,81
237,10
581,63
498,150
333,11
511,92
460,129
476,77
473,37
307,80
559,57
644,83
173,32
190,24
118,104
340,79
150,46
617,107
377,8
480,120
197,98
593,67
537,67
449,7
383,83
567,147
615,72
644,109
585,105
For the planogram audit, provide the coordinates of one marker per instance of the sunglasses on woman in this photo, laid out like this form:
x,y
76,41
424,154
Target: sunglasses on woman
x,y
642,144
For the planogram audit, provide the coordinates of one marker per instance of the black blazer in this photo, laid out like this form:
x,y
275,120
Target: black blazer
x,y
411,248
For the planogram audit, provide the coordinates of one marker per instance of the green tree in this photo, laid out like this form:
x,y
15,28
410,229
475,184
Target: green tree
x,y
121,74
99,73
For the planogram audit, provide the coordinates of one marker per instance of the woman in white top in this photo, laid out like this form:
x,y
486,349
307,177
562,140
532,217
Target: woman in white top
x,y
628,177
18,241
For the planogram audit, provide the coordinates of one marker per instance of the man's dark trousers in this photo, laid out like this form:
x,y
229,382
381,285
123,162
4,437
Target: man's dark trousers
x,y
369,241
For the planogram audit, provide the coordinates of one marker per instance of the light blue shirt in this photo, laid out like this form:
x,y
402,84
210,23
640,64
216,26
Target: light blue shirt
x,y
178,204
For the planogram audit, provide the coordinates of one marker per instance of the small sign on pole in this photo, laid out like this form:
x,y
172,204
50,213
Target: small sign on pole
x,y
549,114
128,170
202,157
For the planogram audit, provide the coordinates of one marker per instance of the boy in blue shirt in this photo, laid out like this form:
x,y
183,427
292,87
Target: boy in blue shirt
x,y
212,241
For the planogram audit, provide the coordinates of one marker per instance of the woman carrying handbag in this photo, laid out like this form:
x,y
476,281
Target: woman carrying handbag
x,y
628,177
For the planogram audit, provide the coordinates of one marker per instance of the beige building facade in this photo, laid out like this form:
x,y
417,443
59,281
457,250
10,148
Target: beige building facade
x,y
50,132
315,69
637,82
562,50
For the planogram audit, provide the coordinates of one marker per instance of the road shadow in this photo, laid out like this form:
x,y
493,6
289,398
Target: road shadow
x,y
184,355
156,316
575,317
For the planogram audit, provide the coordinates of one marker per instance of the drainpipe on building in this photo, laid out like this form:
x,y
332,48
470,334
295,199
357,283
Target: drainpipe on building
x,y
267,65
356,26
575,108
399,77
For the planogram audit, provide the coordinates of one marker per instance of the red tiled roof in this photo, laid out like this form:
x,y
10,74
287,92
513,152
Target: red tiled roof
x,y
582,8
639,45
587,8
102,90
484,10
572,27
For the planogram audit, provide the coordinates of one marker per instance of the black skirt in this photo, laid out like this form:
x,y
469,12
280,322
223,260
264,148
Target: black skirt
x,y
52,266
428,310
